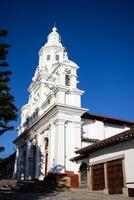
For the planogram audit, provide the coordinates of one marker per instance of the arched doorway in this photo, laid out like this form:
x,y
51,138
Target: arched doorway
x,y
83,175
46,156
24,164
32,166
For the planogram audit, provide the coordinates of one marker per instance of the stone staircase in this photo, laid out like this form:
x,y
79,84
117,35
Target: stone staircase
x,y
83,184
48,185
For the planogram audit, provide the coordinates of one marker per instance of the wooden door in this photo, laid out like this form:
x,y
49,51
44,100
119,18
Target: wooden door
x,y
46,161
98,182
115,176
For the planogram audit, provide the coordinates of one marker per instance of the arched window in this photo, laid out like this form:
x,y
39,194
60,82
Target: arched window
x,y
33,161
48,57
57,57
46,143
46,155
67,80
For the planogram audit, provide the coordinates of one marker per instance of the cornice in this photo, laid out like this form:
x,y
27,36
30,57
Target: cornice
x,y
50,113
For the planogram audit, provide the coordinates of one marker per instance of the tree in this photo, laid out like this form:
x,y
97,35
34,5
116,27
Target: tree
x,y
8,110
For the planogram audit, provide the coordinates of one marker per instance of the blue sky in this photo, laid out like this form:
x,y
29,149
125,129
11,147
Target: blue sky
x,y
99,37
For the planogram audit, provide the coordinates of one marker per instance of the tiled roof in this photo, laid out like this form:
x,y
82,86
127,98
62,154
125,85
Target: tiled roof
x,y
107,119
116,139
86,139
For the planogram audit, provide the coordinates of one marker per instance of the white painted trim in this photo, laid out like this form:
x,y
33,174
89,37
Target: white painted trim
x,y
122,156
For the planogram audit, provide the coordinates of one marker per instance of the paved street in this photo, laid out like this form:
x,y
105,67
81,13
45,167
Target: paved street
x,y
75,194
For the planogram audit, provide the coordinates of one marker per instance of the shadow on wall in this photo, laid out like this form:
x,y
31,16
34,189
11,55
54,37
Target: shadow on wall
x,y
114,149
54,177
43,161
37,163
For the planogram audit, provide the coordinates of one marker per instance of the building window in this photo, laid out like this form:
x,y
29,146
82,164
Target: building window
x,y
67,80
48,57
57,57
46,143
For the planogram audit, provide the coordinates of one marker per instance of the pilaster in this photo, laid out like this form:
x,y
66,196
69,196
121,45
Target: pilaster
x,y
60,149
37,173
16,164
125,189
106,179
27,160
20,171
90,178
51,149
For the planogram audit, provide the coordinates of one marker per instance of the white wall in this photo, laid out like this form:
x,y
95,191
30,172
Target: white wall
x,y
72,99
93,129
112,129
99,130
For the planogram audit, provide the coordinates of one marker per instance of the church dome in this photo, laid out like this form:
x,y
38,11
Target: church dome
x,y
54,39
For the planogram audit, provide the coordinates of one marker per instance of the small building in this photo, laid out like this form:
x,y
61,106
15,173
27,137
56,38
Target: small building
x,y
109,164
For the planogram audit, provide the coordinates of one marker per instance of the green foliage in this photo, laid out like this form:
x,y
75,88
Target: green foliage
x,y
1,149
3,32
8,110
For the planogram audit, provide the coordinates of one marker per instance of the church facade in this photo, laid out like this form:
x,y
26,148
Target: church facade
x,y
53,123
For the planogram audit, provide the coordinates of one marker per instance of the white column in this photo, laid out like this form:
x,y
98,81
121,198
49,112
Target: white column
x,y
51,149
77,134
62,77
59,151
27,160
16,163
37,173
73,81
69,145
77,143
42,161
20,170
90,178
106,179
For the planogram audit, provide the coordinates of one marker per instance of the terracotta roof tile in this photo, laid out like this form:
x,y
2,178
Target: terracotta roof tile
x,y
107,119
116,139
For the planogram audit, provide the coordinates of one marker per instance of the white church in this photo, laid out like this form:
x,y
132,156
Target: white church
x,y
58,136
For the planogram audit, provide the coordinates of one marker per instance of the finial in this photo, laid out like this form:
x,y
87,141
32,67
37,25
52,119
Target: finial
x,y
54,29
54,38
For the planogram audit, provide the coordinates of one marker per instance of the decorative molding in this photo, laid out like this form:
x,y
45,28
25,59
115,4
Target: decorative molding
x,y
121,156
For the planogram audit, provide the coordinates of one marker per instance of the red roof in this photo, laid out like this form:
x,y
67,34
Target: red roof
x,y
116,139
107,119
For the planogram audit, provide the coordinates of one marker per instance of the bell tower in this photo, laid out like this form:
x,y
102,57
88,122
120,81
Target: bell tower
x,y
55,104
52,51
